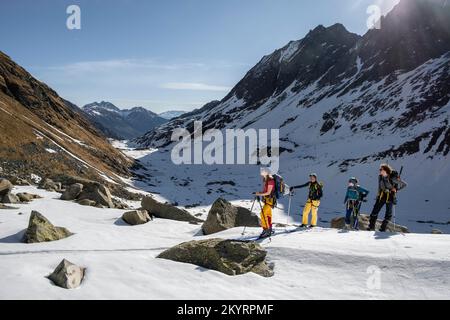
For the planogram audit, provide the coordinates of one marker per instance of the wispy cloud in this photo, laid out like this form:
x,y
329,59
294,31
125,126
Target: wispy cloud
x,y
124,64
193,86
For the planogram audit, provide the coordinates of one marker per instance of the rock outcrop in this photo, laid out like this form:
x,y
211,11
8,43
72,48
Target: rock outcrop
x,y
226,256
72,192
223,215
339,223
49,185
19,181
97,192
136,217
167,211
41,230
67,275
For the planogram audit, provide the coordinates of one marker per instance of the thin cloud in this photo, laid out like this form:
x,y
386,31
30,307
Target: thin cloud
x,y
123,64
193,86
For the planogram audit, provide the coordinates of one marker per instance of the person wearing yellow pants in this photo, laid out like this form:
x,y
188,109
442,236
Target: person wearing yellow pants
x,y
313,203
310,206
268,199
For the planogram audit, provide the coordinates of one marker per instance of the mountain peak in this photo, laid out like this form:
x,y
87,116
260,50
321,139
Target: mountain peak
x,y
101,105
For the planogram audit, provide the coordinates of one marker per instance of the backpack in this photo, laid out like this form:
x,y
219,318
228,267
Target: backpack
x,y
280,186
353,194
317,193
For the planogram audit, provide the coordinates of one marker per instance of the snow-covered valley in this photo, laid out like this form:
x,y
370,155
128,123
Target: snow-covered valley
x,y
121,260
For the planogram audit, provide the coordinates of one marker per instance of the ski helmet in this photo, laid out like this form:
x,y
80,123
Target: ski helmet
x,y
353,180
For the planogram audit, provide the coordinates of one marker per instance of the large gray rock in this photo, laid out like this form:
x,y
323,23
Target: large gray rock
x,y
41,230
27,197
136,217
223,215
67,275
167,211
10,198
72,192
49,185
227,256
97,192
364,220
5,187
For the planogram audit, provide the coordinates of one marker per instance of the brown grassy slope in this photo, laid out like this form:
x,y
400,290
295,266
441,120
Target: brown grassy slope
x,y
33,117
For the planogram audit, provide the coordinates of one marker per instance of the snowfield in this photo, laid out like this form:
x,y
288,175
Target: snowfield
x,y
121,264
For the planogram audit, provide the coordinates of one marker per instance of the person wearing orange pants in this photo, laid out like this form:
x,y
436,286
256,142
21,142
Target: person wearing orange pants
x,y
269,202
312,205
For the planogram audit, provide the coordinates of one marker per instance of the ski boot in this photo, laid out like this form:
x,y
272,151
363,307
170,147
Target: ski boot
x,y
265,234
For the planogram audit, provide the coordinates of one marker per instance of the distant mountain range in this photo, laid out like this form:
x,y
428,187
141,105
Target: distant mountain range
x,y
169,115
122,124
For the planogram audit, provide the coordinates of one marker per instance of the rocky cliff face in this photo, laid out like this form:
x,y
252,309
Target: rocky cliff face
x,y
42,133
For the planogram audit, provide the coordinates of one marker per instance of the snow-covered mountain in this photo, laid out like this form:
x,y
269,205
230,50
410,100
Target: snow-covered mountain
x,y
169,115
344,103
122,124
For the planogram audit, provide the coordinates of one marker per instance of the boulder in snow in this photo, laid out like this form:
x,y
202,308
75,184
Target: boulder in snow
x,y
86,202
41,230
27,197
167,211
223,215
227,256
97,192
72,192
364,220
10,198
50,185
67,275
136,217
5,187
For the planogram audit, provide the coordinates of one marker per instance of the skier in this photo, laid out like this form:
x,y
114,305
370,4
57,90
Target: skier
x,y
389,183
355,195
269,202
313,203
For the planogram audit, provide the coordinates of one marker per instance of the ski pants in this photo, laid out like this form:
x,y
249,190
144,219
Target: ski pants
x,y
348,216
376,210
351,208
311,206
266,217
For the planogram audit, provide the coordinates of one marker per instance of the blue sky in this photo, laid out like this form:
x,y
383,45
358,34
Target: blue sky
x,y
163,55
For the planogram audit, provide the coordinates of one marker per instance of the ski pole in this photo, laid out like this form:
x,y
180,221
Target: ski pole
x,y
251,210
289,208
